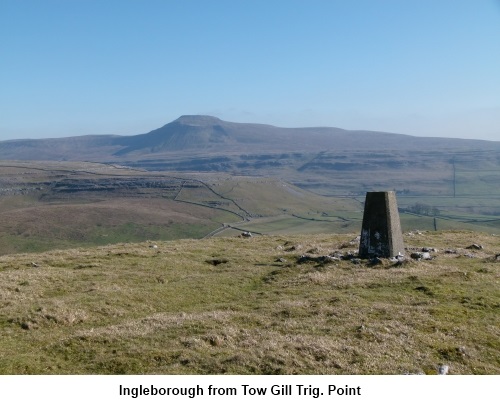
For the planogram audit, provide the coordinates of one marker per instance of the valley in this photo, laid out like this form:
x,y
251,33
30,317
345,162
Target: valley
x,y
53,205
207,174
92,226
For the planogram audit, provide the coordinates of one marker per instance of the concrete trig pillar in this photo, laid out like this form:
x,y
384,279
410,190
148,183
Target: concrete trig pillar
x,y
381,230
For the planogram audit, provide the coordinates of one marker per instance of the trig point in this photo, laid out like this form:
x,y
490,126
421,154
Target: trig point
x,y
381,230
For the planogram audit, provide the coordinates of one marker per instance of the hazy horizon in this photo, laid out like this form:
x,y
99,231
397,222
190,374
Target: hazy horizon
x,y
421,68
232,121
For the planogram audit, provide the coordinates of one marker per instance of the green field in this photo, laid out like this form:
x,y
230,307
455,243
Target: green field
x,y
53,205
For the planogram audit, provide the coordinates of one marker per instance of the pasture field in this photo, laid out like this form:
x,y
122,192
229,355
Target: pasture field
x,y
252,306
53,205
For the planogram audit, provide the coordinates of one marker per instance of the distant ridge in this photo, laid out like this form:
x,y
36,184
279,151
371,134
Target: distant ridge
x,y
204,134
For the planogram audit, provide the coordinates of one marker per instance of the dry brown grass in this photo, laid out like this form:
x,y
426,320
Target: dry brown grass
x,y
133,308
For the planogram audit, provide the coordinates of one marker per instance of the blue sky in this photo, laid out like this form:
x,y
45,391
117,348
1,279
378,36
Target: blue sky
x,y
419,67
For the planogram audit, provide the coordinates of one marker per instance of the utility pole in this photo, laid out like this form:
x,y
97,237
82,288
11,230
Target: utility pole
x,y
454,178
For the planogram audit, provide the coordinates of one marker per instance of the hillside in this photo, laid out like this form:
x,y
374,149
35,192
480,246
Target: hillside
x,y
209,135
452,174
261,305
191,296
53,205
47,205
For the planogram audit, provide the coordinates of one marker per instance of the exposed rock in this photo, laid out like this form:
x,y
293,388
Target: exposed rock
x,y
421,256
443,369
328,259
338,255
475,246
280,260
350,255
352,242
402,262
318,259
399,259
304,259
110,184
414,232
361,328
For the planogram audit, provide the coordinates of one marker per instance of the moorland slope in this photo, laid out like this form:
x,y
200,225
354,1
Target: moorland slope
x,y
260,305
328,161
54,205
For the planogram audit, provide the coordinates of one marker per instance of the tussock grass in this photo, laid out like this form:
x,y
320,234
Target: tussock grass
x,y
245,306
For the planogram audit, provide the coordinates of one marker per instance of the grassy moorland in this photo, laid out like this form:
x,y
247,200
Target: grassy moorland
x,y
55,205
252,306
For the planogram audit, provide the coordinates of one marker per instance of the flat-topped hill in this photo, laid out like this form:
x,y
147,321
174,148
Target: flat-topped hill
x,y
199,134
